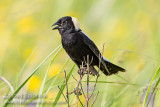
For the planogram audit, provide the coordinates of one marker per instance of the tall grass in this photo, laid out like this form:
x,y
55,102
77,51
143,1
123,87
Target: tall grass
x,y
22,85
129,28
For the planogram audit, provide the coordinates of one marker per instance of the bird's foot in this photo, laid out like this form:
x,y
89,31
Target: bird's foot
x,y
82,71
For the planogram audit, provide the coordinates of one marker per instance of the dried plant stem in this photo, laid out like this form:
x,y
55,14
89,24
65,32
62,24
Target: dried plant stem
x,y
95,99
87,99
74,78
78,90
94,88
80,101
79,82
66,87
100,60
82,88
62,93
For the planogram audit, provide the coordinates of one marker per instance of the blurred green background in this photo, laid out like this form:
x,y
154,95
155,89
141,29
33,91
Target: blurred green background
x,y
129,29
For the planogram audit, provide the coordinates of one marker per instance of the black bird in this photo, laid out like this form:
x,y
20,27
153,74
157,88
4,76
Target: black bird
x,y
78,45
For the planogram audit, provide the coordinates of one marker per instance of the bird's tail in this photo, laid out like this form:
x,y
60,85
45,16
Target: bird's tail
x,y
108,68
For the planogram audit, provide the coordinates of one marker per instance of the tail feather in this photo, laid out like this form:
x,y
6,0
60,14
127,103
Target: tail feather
x,y
110,68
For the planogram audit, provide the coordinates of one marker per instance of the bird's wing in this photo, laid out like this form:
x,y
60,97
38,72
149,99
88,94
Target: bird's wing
x,y
78,63
91,44
94,48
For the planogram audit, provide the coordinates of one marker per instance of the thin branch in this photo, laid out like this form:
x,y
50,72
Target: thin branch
x,y
91,61
100,58
87,100
62,93
84,60
84,69
94,88
66,87
82,90
95,99
74,78
81,70
80,101
81,76
102,61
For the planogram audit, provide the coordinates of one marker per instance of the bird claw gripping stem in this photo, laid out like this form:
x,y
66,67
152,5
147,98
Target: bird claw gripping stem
x,y
82,70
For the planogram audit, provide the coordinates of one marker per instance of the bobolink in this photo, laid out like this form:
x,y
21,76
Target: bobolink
x,y
78,46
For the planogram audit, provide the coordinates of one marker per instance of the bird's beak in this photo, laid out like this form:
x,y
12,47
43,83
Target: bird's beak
x,y
57,27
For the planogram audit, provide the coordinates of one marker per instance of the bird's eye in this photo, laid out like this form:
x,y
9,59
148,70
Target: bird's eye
x,y
64,22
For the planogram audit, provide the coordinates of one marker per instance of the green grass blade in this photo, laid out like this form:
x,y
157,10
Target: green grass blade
x,y
117,83
55,77
53,81
126,87
122,78
20,87
45,77
62,87
153,90
35,97
149,88
20,73
22,69
30,100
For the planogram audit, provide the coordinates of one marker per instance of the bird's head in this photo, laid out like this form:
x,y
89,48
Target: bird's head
x,y
67,25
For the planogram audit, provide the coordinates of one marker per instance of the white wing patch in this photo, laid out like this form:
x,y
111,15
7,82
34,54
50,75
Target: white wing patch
x,y
105,59
76,23
86,35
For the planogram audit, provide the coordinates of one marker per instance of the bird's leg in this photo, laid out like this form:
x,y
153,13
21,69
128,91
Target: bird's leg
x,y
83,70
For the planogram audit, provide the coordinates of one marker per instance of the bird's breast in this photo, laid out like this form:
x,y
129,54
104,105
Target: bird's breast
x,y
69,41
72,45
